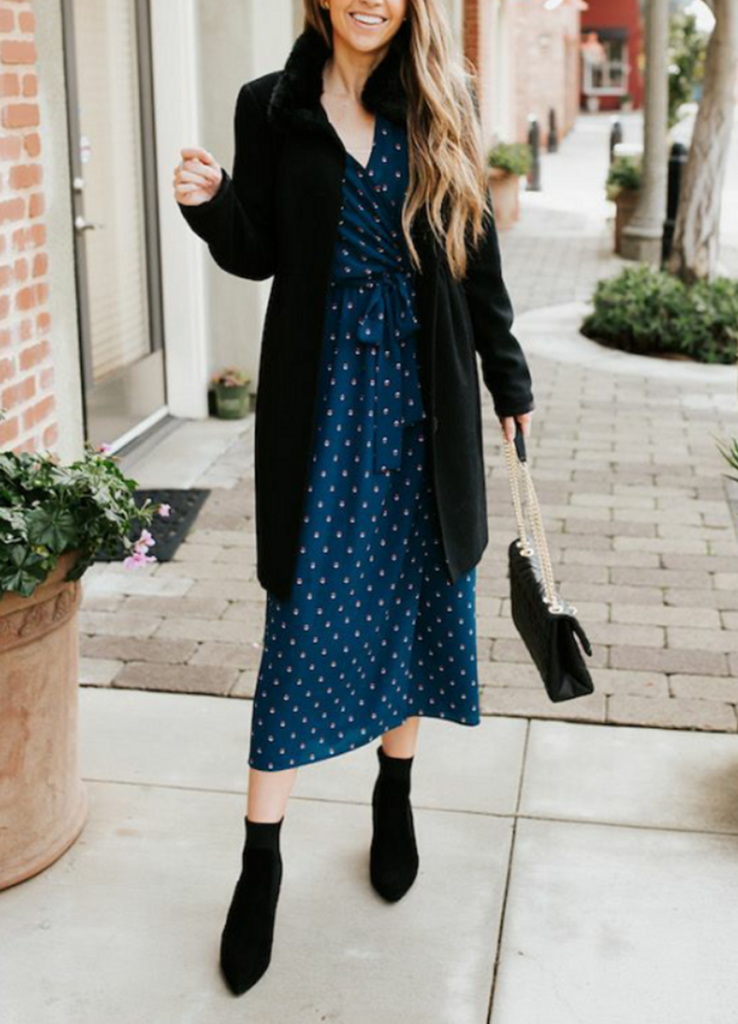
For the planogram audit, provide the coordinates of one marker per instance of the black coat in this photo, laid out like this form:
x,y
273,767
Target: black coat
x,y
277,216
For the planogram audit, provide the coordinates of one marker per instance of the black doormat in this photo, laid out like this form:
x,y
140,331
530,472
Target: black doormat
x,y
169,532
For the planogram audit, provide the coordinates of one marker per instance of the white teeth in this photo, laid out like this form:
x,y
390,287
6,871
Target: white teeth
x,y
368,19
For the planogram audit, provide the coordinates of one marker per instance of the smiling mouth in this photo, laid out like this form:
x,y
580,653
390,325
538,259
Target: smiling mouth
x,y
367,24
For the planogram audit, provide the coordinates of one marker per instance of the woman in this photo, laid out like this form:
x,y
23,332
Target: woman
x,y
359,184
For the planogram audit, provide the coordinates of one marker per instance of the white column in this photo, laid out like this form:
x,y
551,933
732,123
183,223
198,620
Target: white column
x,y
642,237
174,31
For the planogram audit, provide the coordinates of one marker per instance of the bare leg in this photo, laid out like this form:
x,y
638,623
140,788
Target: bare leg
x,y
269,793
402,741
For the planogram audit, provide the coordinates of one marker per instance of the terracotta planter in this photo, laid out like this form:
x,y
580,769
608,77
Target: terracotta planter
x,y
505,197
43,802
625,205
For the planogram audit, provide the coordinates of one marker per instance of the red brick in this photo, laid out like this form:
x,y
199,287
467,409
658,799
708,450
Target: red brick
x,y
12,209
9,84
8,430
11,147
32,144
7,369
17,51
16,393
50,435
25,176
21,115
36,204
34,355
38,412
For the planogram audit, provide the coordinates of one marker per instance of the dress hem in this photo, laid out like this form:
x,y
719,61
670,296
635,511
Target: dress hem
x,y
344,748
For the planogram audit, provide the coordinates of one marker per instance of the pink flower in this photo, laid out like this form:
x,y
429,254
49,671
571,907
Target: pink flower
x,y
105,449
144,542
137,559
164,510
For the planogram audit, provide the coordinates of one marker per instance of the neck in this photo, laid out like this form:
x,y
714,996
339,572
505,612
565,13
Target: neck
x,y
347,70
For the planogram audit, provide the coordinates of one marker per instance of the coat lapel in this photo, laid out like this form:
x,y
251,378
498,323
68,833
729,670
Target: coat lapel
x,y
295,99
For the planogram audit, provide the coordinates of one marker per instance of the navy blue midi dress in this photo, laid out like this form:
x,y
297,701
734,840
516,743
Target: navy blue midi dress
x,y
374,630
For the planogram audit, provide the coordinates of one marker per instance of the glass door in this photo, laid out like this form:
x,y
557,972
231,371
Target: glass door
x,y
107,48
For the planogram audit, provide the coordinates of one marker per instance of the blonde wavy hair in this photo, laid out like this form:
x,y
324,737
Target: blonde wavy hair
x,y
447,159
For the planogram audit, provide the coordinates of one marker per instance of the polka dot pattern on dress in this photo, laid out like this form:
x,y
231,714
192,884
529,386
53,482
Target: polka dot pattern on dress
x,y
374,630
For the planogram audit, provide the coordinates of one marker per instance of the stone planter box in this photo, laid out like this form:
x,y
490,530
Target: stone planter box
x,y
43,802
505,197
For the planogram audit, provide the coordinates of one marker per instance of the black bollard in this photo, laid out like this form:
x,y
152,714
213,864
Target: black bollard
x,y
534,141
616,136
553,134
677,161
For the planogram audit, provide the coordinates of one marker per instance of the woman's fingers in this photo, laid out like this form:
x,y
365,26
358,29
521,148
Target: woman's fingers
x,y
508,425
197,176
198,153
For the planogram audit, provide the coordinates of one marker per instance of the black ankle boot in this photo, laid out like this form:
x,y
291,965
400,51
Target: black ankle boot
x,y
246,942
393,860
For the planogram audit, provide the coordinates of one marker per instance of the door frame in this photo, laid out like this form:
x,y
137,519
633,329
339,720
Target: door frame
x,y
149,172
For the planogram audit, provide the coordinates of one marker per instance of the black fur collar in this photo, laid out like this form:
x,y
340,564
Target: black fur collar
x,y
295,99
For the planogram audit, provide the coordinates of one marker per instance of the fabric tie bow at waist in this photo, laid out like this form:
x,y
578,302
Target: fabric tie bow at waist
x,y
387,319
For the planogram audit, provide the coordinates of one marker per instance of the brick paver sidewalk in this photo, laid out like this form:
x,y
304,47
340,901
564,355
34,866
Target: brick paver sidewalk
x,y
634,502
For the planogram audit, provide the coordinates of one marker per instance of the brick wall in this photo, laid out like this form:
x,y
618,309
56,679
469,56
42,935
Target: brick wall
x,y
26,367
546,44
541,69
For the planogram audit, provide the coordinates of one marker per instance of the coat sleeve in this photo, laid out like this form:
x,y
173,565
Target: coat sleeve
x,y
237,223
504,366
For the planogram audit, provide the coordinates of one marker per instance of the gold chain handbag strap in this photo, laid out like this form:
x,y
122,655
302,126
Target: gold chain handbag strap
x,y
539,548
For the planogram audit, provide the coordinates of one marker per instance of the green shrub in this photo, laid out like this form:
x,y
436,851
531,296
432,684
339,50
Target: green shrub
x,y
649,311
513,157
625,172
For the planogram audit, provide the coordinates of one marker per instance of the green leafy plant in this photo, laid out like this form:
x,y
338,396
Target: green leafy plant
x,y
625,173
648,311
687,49
512,157
730,454
48,509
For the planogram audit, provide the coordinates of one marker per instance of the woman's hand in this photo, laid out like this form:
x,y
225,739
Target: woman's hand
x,y
197,177
508,425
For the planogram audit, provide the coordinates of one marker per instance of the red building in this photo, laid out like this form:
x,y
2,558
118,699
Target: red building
x,y
612,43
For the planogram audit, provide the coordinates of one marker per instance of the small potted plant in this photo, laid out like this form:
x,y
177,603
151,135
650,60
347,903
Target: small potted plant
x,y
626,102
623,188
53,521
508,162
232,399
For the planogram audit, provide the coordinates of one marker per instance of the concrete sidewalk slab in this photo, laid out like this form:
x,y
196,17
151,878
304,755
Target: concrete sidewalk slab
x,y
608,925
200,743
632,776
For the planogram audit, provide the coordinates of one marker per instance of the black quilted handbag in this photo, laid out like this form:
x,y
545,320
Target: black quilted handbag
x,y
546,622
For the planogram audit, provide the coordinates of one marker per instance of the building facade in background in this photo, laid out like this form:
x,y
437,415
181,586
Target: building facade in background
x,y
612,68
